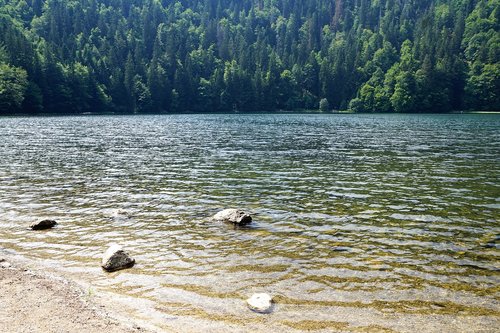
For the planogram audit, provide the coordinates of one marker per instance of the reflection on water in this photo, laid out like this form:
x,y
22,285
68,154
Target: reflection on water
x,y
361,223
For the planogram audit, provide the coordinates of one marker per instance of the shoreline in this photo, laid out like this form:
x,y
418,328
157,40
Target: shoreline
x,y
278,112
33,300
37,298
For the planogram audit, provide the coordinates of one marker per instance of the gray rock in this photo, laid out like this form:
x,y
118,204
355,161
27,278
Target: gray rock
x,y
43,225
115,258
235,216
262,303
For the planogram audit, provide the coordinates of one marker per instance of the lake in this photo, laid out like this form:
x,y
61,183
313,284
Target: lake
x,y
362,223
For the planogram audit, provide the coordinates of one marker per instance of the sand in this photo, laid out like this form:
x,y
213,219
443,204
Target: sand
x,y
31,301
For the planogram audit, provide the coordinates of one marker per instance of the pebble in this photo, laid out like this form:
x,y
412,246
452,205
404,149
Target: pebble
x,y
5,264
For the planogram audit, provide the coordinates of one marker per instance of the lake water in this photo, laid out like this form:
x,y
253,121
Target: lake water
x,y
362,223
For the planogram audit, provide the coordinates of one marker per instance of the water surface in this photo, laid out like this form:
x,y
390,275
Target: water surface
x,y
361,222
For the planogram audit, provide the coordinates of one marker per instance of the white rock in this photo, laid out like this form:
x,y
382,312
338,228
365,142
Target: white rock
x,y
261,303
115,258
235,216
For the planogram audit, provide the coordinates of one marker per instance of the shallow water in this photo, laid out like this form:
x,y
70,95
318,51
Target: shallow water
x,y
361,222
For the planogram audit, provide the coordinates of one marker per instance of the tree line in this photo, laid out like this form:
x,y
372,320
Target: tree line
x,y
150,56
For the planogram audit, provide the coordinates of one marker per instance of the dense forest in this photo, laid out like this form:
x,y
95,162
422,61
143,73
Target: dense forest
x,y
141,56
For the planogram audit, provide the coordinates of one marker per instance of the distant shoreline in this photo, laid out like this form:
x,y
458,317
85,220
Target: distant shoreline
x,y
282,112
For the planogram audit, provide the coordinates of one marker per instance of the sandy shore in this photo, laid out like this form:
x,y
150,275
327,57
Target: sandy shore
x,y
37,299
32,301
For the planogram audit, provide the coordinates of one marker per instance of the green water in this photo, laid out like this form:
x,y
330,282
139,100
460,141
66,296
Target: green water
x,y
361,222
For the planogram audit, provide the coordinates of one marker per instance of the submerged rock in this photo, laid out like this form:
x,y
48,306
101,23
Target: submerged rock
x,y
120,214
115,258
262,303
43,225
235,216
493,242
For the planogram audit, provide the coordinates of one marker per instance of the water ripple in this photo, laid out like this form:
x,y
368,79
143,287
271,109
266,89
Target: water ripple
x,y
389,214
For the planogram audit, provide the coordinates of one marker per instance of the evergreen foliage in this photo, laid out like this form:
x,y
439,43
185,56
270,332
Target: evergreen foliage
x,y
68,56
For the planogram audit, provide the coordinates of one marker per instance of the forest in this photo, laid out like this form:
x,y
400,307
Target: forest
x,y
168,56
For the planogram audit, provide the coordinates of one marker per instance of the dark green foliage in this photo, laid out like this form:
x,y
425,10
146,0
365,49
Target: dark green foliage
x,y
155,56
482,52
13,84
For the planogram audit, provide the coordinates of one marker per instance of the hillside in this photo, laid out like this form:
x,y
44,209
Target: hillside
x,y
146,56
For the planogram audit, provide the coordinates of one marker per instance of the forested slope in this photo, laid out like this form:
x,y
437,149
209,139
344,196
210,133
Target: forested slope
x,y
66,56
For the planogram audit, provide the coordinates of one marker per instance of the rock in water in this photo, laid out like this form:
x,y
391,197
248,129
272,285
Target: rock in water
x,y
261,303
115,258
42,225
235,216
